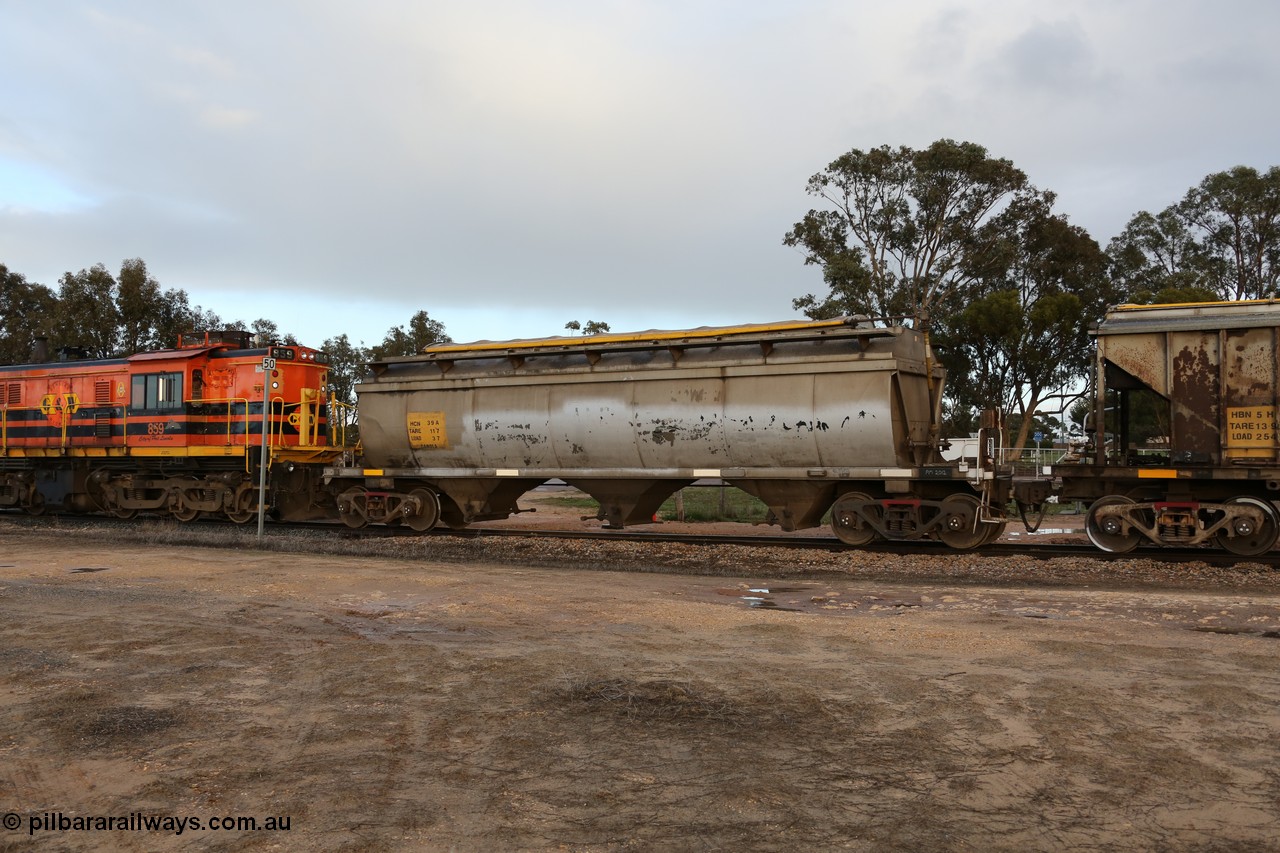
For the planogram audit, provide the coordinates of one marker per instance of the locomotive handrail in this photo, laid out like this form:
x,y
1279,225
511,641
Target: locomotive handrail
x,y
4,425
275,431
335,406
229,401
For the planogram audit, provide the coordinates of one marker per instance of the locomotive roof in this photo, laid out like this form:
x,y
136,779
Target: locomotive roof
x,y
170,354
706,336
213,351
1191,316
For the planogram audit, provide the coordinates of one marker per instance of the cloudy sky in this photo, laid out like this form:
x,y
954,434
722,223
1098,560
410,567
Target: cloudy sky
x,y
511,166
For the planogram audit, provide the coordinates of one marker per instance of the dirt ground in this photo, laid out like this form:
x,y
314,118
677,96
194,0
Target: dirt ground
x,y
383,703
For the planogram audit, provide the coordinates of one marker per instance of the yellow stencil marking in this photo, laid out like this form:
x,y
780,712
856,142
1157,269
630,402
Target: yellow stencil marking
x,y
1251,426
426,429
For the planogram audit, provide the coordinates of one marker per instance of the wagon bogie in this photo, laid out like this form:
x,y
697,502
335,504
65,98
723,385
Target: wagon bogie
x,y
1243,525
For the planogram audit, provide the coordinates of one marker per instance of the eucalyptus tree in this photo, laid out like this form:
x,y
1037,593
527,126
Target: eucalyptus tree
x,y
347,366
1237,213
1023,334
26,313
87,315
900,230
591,327
1221,241
422,331
960,243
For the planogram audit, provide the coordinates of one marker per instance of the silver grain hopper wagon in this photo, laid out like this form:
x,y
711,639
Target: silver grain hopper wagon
x,y
804,415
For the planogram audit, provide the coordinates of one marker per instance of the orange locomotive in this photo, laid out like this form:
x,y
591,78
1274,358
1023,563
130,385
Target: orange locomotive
x,y
176,431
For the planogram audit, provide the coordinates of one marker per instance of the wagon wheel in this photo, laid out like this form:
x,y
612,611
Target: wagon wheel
x,y
849,527
1108,532
1250,539
961,528
428,510
994,532
351,515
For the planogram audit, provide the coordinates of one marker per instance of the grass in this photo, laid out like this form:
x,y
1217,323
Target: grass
x,y
702,503
715,504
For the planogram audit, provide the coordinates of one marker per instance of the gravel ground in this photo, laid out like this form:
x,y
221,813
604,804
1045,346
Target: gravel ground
x,y
1136,571
451,694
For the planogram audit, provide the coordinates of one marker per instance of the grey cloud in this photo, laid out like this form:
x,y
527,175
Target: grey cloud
x,y
494,163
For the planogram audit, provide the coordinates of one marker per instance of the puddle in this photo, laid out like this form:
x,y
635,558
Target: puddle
x,y
761,597
762,603
1043,530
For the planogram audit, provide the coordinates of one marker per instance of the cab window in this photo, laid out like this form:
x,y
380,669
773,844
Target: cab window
x,y
157,392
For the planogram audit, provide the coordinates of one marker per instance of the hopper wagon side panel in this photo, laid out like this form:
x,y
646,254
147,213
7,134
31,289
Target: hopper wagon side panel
x,y
789,416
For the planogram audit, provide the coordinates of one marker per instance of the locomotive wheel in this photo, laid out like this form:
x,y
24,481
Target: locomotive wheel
x,y
1250,540
242,516
428,513
961,529
36,505
184,513
849,527
1108,533
124,513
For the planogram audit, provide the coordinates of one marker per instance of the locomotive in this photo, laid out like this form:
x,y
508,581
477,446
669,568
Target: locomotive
x,y
176,431
838,417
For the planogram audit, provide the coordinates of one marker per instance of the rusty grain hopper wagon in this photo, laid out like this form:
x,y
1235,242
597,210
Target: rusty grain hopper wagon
x,y
834,416
1185,448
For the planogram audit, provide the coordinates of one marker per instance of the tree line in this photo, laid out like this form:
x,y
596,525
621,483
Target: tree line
x,y
99,315
962,245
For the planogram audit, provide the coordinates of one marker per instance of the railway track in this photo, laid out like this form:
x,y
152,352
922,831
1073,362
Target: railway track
x,y
1028,549
827,543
